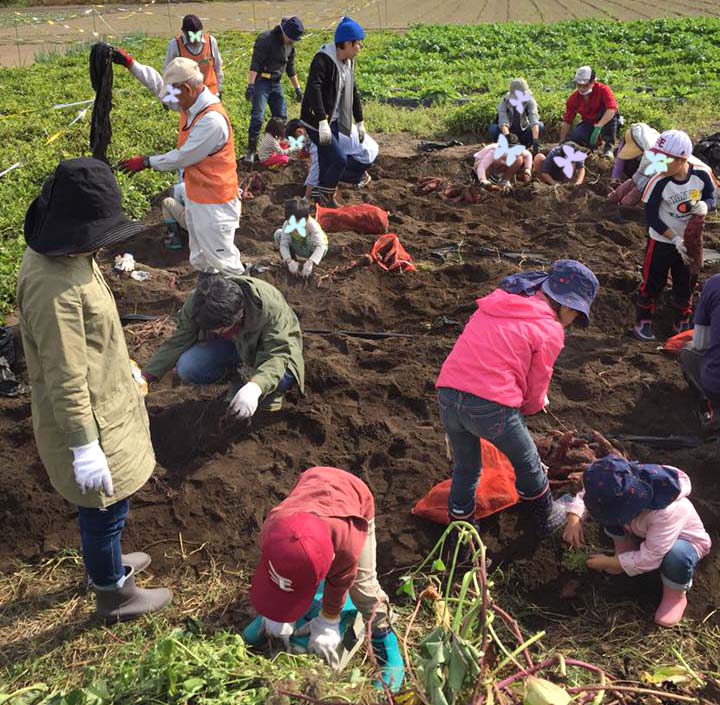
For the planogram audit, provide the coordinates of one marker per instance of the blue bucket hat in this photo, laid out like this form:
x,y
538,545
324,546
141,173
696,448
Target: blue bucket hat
x,y
292,27
569,283
348,31
617,490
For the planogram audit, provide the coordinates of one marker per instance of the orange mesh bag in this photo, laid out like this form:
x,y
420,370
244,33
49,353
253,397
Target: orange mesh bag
x,y
388,253
364,218
495,492
675,344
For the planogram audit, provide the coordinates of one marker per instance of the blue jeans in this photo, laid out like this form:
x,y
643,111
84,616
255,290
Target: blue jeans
x,y
211,361
100,534
678,566
525,136
266,93
581,132
334,165
468,418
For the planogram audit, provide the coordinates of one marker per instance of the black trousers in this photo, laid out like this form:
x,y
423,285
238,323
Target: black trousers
x,y
660,259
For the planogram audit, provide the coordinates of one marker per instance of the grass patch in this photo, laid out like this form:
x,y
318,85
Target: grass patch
x,y
664,72
55,653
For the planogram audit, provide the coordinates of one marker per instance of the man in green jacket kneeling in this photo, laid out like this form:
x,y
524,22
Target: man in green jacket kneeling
x,y
230,324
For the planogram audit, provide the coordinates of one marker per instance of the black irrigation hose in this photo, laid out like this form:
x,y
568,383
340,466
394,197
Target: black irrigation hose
x,y
101,78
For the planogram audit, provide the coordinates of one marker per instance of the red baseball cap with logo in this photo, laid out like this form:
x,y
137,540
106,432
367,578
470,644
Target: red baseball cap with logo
x,y
295,556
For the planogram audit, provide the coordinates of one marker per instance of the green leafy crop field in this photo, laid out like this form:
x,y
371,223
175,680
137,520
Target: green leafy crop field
x,y
664,72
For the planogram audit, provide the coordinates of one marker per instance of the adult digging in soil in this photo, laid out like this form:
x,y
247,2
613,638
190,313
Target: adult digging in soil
x,y
226,324
89,418
499,370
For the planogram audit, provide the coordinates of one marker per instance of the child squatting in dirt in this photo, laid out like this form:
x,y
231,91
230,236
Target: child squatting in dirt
x,y
500,172
300,236
634,501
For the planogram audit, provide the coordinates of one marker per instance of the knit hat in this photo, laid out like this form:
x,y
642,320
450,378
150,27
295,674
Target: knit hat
x,y
179,71
584,75
191,23
79,210
295,557
348,31
617,490
292,28
569,283
518,84
674,143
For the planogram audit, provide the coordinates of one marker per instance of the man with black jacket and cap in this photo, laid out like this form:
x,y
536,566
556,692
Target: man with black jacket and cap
x,y
89,417
273,55
330,105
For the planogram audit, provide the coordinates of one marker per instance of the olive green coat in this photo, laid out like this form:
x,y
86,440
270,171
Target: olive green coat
x,y
269,341
79,370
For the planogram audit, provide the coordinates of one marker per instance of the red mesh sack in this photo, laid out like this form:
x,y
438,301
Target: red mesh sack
x,y
675,344
495,492
388,253
364,218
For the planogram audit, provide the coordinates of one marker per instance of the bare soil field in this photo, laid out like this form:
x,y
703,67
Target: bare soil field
x,y
370,404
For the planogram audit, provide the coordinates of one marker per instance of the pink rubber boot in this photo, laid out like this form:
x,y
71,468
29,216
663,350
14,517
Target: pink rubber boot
x,y
671,608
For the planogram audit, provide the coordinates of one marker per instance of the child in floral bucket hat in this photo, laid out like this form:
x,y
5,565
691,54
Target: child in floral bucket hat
x,y
646,511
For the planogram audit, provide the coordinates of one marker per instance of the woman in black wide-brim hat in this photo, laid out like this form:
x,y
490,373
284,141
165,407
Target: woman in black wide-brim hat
x,y
89,417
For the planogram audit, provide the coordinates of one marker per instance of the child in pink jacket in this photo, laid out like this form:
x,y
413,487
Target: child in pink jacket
x,y
636,501
488,169
500,370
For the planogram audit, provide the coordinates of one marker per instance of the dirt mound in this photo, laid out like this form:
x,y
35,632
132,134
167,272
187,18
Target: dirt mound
x,y
370,404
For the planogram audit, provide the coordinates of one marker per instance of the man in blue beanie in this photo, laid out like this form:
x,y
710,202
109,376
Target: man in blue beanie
x,y
273,55
330,105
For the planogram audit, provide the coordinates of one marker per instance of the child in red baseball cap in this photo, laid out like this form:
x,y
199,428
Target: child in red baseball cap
x,y
324,531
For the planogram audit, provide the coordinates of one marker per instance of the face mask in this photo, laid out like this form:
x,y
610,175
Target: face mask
x,y
584,91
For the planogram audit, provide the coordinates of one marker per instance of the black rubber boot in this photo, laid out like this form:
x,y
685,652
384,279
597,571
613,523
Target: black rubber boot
x,y
548,515
251,155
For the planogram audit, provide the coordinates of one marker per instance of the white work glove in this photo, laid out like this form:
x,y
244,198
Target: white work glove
x,y
245,402
91,469
139,379
325,132
680,247
307,269
546,402
699,208
277,630
324,638
361,130
292,266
